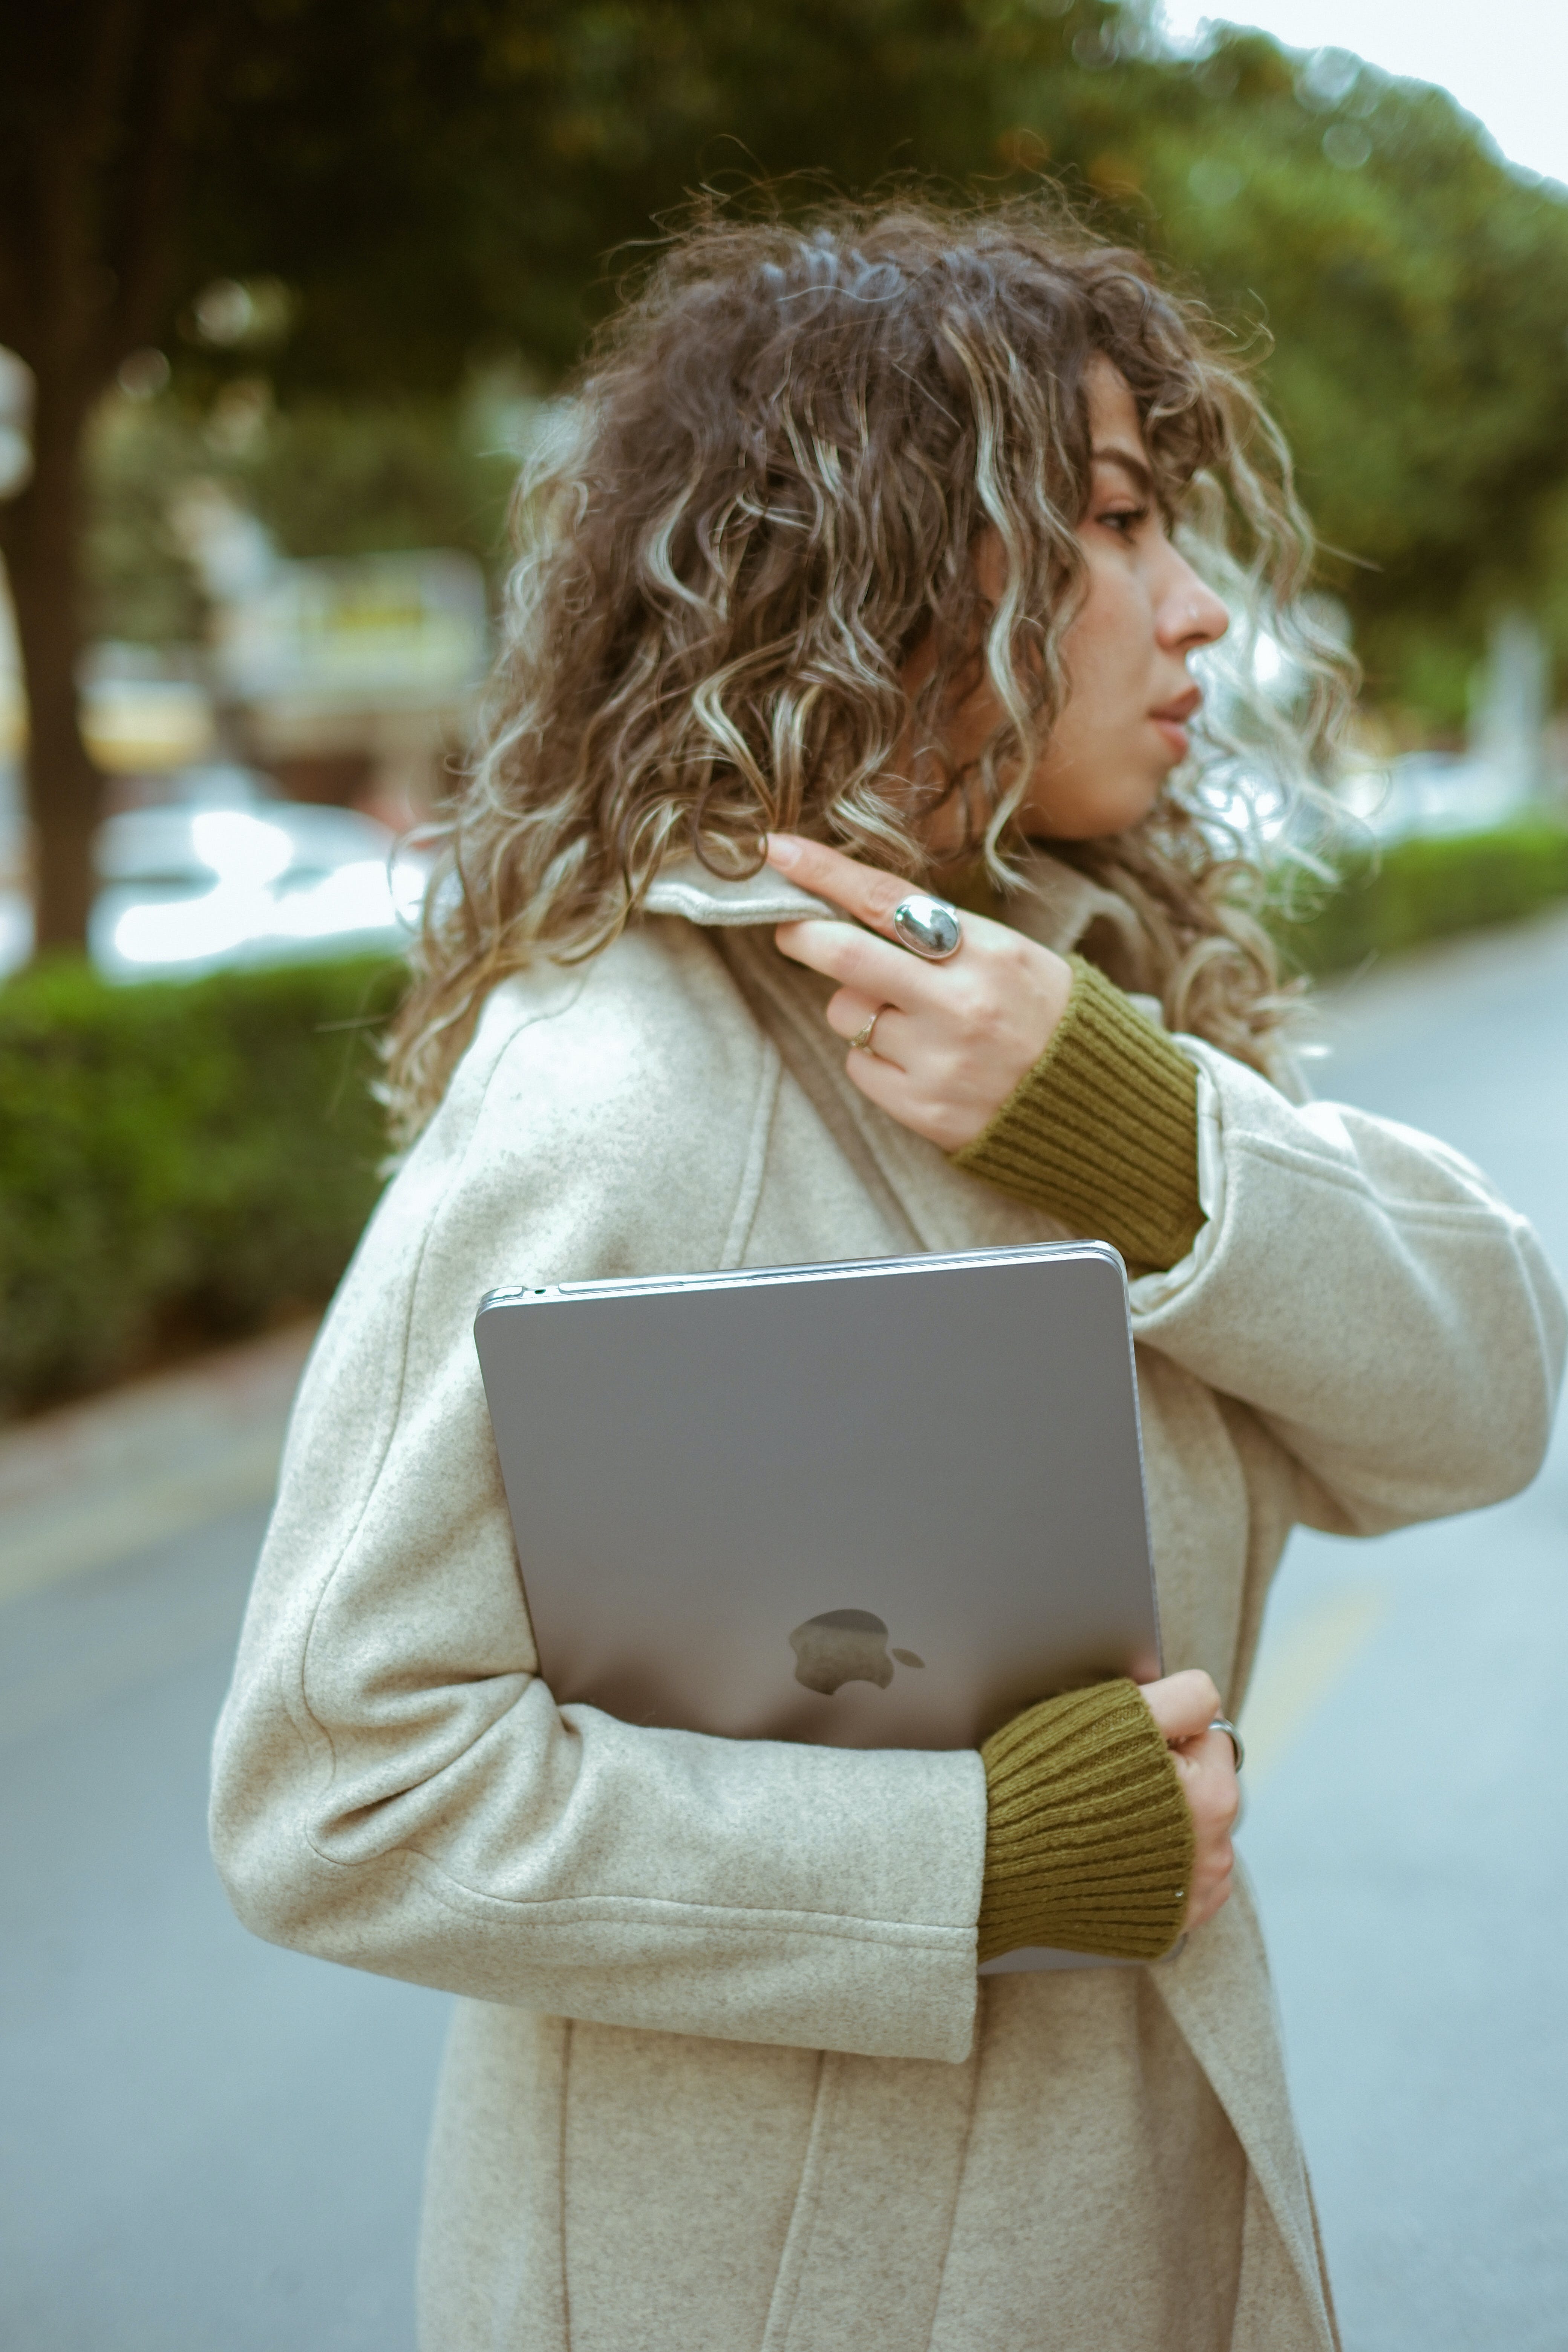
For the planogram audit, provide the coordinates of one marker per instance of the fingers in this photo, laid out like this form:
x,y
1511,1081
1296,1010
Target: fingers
x,y
1212,1881
1207,1768
1184,1705
883,1044
867,894
873,966
956,1035
847,1013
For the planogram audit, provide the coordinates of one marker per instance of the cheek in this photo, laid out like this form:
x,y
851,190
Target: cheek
x,y
1106,650
1096,775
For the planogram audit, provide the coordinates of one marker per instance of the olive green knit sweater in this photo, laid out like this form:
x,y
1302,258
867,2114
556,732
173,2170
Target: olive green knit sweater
x,y
1103,1131
1088,1838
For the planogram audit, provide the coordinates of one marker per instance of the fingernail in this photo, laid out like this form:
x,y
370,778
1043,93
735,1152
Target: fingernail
x,y
782,850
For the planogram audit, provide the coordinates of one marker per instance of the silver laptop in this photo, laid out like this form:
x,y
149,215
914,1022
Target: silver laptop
x,y
879,1504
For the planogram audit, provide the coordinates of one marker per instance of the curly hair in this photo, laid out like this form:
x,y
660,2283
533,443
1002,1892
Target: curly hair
x,y
763,495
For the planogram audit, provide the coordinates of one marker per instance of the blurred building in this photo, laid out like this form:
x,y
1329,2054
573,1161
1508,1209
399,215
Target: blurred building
x,y
254,787
352,680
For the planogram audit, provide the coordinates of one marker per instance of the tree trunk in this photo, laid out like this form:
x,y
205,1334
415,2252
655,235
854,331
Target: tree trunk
x,y
40,540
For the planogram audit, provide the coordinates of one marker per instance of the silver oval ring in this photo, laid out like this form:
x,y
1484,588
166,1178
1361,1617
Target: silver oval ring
x,y
862,1041
928,926
1223,1723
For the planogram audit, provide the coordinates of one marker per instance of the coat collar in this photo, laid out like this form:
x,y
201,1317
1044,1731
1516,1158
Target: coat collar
x,y
686,887
1054,905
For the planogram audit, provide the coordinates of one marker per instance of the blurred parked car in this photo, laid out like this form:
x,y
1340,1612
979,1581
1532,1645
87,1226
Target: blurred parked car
x,y
188,889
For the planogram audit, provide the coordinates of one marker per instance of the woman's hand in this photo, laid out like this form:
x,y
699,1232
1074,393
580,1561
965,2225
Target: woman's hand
x,y
952,1039
1184,1705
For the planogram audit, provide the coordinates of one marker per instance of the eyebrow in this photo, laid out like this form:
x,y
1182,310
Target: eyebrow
x,y
1109,453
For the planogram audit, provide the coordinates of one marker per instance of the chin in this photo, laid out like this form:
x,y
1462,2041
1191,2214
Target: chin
x,y
1095,816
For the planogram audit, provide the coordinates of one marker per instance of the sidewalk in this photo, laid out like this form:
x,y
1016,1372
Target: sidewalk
x,y
97,1481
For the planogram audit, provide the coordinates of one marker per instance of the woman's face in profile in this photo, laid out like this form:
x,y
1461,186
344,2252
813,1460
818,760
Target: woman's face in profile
x,y
1145,610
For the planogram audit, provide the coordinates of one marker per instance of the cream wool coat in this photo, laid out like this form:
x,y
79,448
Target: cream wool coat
x,y
722,2078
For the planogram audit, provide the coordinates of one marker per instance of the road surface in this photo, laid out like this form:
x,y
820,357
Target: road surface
x,y
208,2146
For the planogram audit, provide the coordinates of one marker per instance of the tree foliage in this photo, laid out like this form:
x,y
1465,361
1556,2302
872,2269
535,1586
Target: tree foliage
x,y
424,184
325,476
1414,290
1403,290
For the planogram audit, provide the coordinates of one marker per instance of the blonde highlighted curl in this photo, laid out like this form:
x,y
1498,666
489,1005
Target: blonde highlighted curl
x,y
763,495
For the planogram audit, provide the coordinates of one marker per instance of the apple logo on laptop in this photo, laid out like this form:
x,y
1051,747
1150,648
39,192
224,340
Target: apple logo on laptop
x,y
845,1645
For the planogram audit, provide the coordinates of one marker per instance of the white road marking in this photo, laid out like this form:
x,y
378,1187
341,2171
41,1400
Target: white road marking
x,y
1296,1674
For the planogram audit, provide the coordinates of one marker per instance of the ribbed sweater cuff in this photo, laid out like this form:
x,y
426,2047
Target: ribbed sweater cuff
x,y
1088,1838
1103,1131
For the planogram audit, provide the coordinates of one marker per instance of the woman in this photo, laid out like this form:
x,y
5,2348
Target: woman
x,y
891,537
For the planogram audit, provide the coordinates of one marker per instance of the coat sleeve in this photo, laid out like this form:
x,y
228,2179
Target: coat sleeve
x,y
1364,1290
394,1786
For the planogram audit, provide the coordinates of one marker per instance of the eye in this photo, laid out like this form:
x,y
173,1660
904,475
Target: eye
x,y
1128,519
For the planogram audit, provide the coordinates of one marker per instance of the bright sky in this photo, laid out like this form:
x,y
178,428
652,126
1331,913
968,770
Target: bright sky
x,y
1506,62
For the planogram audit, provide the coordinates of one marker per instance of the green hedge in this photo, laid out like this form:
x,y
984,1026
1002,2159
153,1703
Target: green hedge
x,y
187,1161
1428,889
180,1162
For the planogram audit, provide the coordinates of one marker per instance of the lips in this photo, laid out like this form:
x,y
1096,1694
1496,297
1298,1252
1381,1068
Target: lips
x,y
1172,719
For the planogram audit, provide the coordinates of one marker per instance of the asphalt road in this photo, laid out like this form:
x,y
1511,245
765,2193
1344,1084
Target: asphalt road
x,y
208,2146
1409,1843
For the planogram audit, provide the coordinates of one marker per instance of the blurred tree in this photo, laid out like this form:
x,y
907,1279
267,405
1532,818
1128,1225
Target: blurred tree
x,y
362,200
1412,286
336,478
137,583
1416,291
401,180
96,102
325,477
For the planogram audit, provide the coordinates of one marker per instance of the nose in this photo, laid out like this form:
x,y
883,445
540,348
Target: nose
x,y
1188,614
